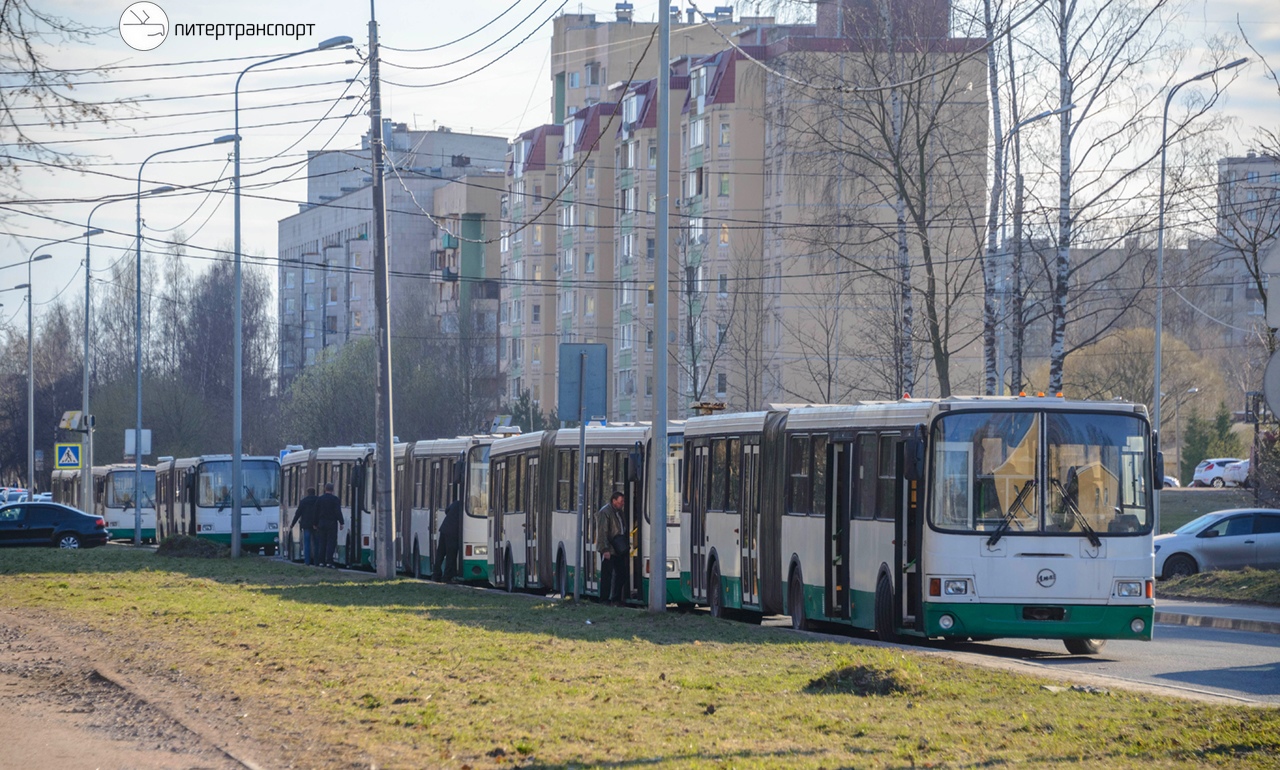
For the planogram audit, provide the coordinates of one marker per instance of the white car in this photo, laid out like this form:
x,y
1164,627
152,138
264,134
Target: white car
x,y
1237,474
1170,482
1209,473
1230,539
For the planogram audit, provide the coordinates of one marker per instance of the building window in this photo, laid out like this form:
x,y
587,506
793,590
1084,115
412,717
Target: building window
x,y
591,176
648,341
696,130
537,235
590,219
331,324
724,235
722,384
724,185
652,208
653,155
537,352
573,80
722,285
648,385
333,295
648,249
722,332
649,296
290,279
357,319
311,356
589,304
589,262
290,304
724,134
537,313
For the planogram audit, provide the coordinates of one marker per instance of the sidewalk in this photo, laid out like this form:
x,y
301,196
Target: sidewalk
x,y
1236,617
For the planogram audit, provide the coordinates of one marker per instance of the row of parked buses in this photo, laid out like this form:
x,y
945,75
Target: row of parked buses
x,y
959,518
953,518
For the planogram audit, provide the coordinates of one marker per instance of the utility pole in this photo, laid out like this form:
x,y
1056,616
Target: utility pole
x,y
659,450
384,526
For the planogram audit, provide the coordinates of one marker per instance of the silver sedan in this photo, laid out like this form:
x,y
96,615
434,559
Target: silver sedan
x,y
1230,539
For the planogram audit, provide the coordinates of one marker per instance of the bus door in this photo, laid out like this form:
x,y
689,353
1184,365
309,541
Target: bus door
x,y
359,479
699,468
907,505
532,508
498,510
749,510
629,482
591,570
840,457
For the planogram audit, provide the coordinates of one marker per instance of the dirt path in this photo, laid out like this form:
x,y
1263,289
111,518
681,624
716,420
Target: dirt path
x,y
65,709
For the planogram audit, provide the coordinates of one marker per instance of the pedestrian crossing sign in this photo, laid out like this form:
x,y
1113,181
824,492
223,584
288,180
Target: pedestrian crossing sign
x,y
66,457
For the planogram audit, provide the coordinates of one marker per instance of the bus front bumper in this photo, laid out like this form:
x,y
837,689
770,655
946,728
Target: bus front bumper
x,y
1039,621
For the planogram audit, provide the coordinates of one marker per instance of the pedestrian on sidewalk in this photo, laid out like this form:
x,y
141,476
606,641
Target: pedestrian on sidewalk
x,y
306,516
328,519
614,547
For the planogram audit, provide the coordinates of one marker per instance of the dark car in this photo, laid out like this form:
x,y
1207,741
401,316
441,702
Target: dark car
x,y
50,524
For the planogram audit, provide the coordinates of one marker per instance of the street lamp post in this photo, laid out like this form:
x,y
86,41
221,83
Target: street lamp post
x,y
237,481
1164,144
137,347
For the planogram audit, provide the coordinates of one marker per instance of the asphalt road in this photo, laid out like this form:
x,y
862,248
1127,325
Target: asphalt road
x,y
1239,664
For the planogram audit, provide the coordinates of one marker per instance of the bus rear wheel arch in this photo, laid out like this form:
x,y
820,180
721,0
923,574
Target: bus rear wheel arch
x,y
795,600
715,593
886,628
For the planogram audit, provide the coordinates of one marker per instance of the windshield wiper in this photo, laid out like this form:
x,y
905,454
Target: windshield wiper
x,y
1077,515
256,503
1012,514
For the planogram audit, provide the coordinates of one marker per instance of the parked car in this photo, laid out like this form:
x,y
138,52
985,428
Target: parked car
x,y
1170,481
1209,473
50,524
12,495
1230,539
1237,474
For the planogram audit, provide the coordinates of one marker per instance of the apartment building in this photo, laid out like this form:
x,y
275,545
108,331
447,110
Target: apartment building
x,y
325,278
465,272
528,254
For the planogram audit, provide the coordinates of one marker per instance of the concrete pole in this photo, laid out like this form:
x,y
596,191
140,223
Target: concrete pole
x,y
658,515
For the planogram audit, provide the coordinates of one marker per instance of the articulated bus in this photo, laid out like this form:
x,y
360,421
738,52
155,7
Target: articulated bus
x,y
534,507
961,518
194,496
113,497
437,470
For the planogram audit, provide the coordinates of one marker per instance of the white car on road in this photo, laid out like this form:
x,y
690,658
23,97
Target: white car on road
x,y
1209,473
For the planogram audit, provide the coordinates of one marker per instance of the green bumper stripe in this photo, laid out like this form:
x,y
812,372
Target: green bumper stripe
x,y
246,538
1080,621
121,533
475,569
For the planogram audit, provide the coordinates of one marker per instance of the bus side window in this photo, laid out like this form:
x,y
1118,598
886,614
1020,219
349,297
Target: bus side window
x,y
865,476
732,475
719,462
818,500
798,480
887,498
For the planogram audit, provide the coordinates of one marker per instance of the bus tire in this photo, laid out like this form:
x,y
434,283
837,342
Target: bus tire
x,y
795,601
715,593
417,562
1084,646
885,630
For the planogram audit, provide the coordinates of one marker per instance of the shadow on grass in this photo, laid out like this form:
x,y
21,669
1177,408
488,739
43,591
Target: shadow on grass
x,y
682,759
458,604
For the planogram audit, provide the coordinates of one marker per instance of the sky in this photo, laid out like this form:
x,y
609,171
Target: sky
x,y
510,93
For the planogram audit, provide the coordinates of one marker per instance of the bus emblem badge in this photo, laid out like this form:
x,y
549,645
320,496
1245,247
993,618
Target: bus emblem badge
x,y
1046,578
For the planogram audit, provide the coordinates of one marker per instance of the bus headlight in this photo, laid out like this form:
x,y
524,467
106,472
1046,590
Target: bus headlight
x,y
955,588
1137,625
671,566
480,550
1129,588
946,622
273,525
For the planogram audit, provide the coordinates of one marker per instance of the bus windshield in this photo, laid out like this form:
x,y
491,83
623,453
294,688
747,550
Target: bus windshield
x,y
1049,472
478,482
261,484
119,493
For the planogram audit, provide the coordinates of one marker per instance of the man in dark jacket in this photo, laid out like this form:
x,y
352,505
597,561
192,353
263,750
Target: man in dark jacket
x,y
614,547
306,516
328,519
449,548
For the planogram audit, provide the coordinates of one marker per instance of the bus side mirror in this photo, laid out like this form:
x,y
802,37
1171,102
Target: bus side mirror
x,y
1158,473
913,459
636,469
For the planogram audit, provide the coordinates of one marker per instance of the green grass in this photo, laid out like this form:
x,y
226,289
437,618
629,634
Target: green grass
x,y
340,671
1249,585
1178,506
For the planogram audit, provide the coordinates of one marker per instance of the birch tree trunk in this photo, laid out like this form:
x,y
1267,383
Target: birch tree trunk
x,y
1062,260
990,311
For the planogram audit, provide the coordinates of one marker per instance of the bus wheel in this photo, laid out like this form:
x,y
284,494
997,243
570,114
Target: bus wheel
x,y
885,627
509,579
417,562
715,594
1084,646
795,601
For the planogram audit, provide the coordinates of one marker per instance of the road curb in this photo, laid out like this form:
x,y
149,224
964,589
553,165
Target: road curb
x,y
1207,621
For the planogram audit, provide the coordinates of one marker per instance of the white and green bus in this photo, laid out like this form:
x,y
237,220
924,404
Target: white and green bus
x,y
961,518
194,496
534,504
113,497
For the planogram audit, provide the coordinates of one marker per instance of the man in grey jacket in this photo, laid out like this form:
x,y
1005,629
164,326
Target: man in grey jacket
x,y
614,546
